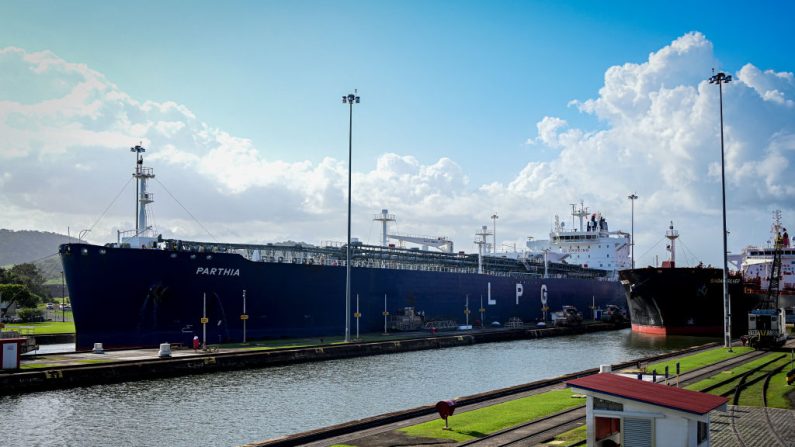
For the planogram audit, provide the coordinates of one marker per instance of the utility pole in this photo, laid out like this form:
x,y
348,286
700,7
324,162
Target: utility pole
x,y
720,79
632,198
349,99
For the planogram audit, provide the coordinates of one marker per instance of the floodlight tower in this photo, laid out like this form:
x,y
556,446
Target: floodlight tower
x,y
349,99
720,79
632,197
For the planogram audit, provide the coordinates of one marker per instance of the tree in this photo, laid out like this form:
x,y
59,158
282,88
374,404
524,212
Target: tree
x,y
30,314
27,274
19,294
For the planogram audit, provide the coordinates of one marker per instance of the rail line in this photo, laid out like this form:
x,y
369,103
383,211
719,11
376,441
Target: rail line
x,y
540,429
765,386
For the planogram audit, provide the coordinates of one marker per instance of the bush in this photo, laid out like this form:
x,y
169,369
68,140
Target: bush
x,y
30,314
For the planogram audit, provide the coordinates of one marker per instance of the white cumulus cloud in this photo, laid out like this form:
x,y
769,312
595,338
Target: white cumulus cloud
x,y
66,129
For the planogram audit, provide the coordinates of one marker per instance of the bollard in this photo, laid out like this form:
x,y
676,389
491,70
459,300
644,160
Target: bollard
x,y
98,349
165,350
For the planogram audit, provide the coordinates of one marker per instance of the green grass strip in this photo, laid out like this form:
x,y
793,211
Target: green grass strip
x,y
567,439
736,371
45,327
778,390
483,421
39,365
699,360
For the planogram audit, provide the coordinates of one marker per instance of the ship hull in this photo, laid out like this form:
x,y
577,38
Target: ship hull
x,y
683,301
125,297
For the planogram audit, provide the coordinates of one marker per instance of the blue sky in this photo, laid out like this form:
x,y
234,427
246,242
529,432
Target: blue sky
x,y
463,81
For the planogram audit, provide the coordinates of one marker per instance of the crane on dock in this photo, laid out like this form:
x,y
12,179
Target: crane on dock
x,y
766,322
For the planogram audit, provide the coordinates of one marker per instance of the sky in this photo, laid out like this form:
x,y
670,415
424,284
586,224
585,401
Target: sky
x,y
468,108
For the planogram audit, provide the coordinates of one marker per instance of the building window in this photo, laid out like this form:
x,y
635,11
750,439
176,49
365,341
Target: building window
x,y
703,432
601,404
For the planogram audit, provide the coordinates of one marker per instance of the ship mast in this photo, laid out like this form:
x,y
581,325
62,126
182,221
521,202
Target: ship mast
x,y
482,243
672,234
384,217
581,213
143,198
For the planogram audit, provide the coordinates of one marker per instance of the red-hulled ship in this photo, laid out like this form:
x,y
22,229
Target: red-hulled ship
x,y
682,300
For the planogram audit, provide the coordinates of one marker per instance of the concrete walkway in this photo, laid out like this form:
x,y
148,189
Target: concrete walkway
x,y
753,426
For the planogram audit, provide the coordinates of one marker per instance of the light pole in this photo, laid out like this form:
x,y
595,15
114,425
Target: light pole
x,y
494,218
632,198
63,298
720,79
349,99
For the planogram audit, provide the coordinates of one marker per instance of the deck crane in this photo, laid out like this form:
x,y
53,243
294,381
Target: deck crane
x,y
766,322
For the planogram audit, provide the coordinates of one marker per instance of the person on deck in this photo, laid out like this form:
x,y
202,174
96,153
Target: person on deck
x,y
195,343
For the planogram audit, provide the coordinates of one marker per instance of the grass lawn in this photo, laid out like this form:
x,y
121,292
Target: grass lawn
x,y
696,361
752,395
734,372
778,391
56,365
45,327
568,438
477,423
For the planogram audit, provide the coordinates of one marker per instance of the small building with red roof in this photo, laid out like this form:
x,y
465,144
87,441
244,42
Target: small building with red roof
x,y
635,413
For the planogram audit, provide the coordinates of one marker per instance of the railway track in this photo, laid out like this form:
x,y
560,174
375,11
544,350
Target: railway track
x,y
764,402
533,432
540,430
744,381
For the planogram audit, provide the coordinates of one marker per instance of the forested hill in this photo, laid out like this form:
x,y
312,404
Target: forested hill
x,y
17,247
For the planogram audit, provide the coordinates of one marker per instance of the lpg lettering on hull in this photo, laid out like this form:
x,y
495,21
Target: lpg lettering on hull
x,y
519,291
215,271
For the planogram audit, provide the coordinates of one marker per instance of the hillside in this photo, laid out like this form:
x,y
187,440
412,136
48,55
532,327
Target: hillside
x,y
17,247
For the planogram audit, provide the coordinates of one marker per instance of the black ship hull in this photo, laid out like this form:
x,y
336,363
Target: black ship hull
x,y
686,301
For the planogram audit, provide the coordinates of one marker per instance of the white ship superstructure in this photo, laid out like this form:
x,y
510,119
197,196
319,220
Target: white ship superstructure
x,y
591,245
755,264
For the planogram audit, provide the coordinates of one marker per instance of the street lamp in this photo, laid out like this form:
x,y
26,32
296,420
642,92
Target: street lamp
x,y
632,198
349,99
720,79
63,298
494,217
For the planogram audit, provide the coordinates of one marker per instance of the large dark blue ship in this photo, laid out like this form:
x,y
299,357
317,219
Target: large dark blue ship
x,y
144,290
